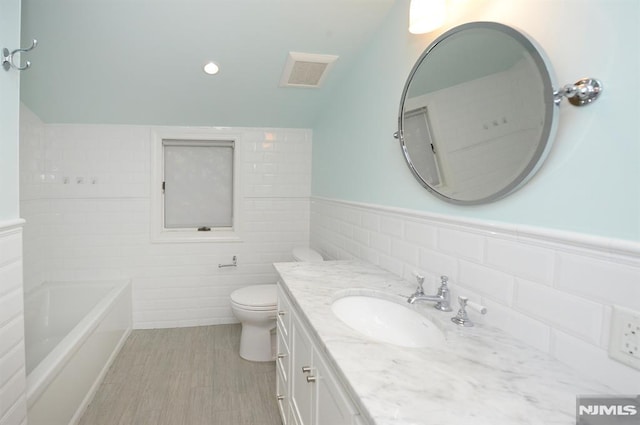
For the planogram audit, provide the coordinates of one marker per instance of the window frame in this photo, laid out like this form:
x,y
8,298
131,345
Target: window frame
x,y
160,234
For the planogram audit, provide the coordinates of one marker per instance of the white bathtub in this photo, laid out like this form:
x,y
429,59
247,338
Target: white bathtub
x,y
73,331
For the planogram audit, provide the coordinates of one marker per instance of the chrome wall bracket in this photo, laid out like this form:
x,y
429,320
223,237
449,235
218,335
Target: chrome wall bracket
x,y
583,92
233,264
8,58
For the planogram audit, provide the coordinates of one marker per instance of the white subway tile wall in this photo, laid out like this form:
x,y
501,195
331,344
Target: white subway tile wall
x,y
551,290
85,194
13,404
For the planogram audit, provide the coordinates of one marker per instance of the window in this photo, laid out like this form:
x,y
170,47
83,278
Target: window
x,y
194,189
198,184
423,155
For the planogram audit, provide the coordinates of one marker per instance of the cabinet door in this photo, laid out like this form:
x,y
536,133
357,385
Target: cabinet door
x,y
283,357
302,391
283,370
282,393
333,407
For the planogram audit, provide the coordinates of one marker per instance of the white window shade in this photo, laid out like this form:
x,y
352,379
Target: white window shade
x,y
198,184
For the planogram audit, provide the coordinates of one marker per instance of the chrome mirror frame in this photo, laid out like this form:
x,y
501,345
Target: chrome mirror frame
x,y
550,114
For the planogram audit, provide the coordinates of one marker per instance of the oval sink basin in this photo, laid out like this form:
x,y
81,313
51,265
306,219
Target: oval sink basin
x,y
386,321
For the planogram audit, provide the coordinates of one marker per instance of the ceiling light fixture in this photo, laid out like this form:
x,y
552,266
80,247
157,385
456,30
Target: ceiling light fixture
x,y
426,15
211,68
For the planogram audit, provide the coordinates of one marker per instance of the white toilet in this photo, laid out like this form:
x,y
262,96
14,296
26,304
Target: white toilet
x,y
256,308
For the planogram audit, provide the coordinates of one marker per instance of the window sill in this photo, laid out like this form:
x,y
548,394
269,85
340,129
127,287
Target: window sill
x,y
182,236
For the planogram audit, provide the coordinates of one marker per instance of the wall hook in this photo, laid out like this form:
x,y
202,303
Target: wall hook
x,y
8,57
583,92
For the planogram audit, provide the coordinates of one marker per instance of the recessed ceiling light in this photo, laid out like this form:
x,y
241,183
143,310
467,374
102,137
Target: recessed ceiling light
x,y
211,68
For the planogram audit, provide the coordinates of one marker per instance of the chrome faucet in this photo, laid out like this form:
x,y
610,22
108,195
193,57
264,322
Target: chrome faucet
x,y
442,297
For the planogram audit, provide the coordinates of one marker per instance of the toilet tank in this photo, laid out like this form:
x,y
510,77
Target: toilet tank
x,y
303,254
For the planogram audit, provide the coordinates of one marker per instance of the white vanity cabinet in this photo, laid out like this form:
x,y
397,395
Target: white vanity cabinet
x,y
308,391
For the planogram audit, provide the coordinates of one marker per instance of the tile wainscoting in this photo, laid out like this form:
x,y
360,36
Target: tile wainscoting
x,y
551,289
13,384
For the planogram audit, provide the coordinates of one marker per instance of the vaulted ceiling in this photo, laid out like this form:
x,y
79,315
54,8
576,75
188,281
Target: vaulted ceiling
x,y
140,61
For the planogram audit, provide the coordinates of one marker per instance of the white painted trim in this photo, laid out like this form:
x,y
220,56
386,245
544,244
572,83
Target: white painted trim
x,y
519,231
9,225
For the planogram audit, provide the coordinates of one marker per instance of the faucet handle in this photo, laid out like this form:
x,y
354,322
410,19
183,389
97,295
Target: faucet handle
x,y
444,280
462,318
420,280
477,307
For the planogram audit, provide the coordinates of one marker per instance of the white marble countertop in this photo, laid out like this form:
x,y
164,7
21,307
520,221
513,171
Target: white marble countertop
x,y
481,376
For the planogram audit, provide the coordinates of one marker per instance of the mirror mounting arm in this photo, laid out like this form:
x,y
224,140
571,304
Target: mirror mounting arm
x,y
583,92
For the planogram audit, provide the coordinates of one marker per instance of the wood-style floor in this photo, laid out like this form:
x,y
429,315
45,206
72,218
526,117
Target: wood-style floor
x,y
185,376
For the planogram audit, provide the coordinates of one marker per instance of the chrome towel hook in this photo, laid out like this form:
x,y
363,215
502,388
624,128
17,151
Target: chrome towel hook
x,y
8,57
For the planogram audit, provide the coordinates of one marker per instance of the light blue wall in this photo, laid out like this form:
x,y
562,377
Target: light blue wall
x,y
9,107
591,181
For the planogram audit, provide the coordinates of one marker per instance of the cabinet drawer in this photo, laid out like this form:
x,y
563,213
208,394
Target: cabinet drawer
x,y
283,337
283,357
284,313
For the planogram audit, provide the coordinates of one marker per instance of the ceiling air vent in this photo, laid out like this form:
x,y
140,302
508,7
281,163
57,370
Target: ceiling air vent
x,y
306,69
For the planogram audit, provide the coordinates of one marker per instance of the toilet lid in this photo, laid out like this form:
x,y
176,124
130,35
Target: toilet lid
x,y
306,254
256,296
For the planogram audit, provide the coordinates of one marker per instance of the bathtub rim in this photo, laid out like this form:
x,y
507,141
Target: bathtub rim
x,y
44,373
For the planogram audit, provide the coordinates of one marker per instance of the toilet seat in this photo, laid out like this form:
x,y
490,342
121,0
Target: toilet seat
x,y
253,308
255,297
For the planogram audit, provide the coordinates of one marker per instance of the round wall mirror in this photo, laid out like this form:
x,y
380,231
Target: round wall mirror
x,y
477,114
